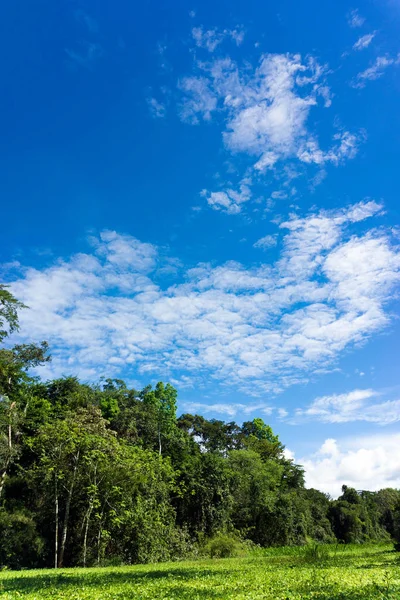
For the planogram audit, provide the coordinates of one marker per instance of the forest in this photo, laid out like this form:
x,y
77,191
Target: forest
x,y
102,474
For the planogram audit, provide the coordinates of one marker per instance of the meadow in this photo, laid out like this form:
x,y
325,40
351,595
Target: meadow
x,y
338,573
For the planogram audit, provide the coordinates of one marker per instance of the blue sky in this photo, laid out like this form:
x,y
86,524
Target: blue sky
x,y
208,194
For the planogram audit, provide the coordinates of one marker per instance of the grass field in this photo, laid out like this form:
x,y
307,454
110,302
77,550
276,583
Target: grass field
x,y
346,573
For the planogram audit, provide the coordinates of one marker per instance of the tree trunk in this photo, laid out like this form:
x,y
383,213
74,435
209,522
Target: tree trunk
x,y
99,534
66,515
98,545
86,533
9,444
56,519
3,477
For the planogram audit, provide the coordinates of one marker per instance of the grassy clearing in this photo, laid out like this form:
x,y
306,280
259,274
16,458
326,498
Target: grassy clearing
x,y
346,573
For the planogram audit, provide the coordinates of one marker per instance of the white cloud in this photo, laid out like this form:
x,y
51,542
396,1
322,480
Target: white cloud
x,y
211,38
289,454
199,100
268,110
260,328
264,112
268,241
85,19
364,41
354,19
375,71
86,54
366,463
345,147
228,409
230,200
279,195
358,405
157,109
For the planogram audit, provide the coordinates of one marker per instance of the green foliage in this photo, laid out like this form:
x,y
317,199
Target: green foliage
x,y
316,553
21,545
224,545
396,526
9,307
352,573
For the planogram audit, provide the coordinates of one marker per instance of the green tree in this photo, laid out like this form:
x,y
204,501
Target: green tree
x,y
62,446
161,404
9,307
15,397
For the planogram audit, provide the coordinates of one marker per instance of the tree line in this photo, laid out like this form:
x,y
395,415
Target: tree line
x,y
105,474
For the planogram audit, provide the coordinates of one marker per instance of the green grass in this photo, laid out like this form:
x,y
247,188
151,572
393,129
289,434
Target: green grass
x,y
347,573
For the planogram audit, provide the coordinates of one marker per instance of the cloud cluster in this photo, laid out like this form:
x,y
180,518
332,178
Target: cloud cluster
x,y
259,328
264,114
368,463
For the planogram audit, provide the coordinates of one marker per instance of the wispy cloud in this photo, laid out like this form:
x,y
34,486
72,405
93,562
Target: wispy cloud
x,y
200,100
259,328
268,241
85,19
86,54
367,405
338,408
375,71
364,41
354,19
157,109
209,39
228,409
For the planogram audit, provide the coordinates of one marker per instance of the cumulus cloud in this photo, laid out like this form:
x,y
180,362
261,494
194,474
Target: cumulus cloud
x,y
365,463
260,328
230,200
264,112
375,71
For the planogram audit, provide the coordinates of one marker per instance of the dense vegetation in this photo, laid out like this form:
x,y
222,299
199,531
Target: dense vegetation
x,y
343,573
104,474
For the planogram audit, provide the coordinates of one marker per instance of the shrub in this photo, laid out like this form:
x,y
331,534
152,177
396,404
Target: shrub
x,y
224,545
20,544
316,553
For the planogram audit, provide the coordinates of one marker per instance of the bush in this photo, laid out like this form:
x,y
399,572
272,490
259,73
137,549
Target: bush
x,y
316,553
224,545
21,545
